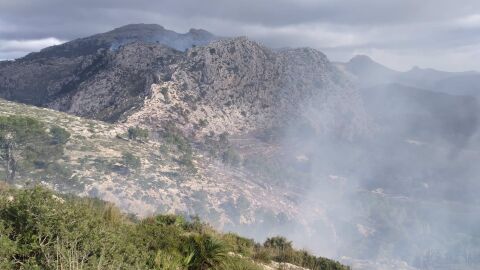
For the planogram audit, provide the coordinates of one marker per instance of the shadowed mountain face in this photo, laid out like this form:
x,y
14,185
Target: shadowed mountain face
x,y
423,103
439,126
427,114
467,84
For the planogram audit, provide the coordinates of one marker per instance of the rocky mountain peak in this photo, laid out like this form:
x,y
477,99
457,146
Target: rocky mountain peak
x,y
112,40
363,63
153,33
138,27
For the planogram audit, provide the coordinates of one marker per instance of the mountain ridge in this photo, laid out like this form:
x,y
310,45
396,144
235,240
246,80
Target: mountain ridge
x,y
105,83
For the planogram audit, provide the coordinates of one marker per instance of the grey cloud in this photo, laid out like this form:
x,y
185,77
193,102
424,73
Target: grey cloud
x,y
340,26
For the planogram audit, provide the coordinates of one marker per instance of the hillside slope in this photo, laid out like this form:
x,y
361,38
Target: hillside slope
x,y
167,178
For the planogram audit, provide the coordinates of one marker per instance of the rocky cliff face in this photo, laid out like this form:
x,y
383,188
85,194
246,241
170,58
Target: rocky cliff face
x,y
238,86
115,81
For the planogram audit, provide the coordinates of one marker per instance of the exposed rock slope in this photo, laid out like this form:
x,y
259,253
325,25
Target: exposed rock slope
x,y
238,86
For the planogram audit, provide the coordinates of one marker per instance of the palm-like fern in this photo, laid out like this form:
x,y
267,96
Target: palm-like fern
x,y
206,252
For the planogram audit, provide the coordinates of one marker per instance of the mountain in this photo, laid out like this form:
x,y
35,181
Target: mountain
x,y
145,176
422,77
367,71
235,85
238,86
191,100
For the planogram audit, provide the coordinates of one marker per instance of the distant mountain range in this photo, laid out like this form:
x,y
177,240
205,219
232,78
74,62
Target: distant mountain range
x,y
370,73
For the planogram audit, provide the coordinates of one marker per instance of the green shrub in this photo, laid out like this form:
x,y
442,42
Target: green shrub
x,y
186,160
231,157
278,242
221,148
25,145
131,161
59,135
206,251
175,136
279,249
239,245
203,122
166,95
136,133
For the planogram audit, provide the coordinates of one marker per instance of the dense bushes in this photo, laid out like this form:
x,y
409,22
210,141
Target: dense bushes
x,y
59,135
26,145
175,137
136,133
222,148
131,161
42,230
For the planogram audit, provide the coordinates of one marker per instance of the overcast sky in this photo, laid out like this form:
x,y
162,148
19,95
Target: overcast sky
x,y
443,34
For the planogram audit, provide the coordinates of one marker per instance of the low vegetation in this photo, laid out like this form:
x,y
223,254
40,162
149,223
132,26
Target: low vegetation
x,y
129,160
176,138
40,229
27,145
136,133
222,148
